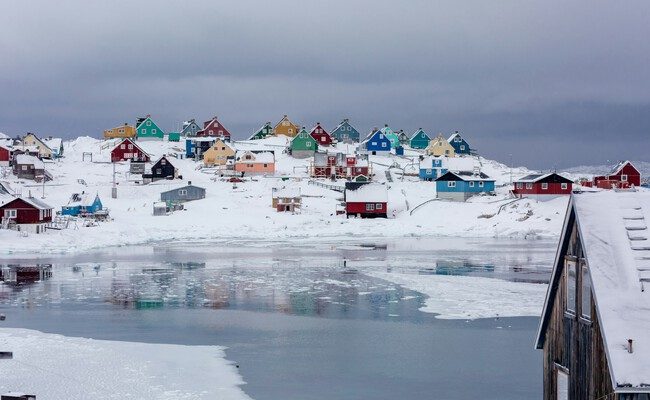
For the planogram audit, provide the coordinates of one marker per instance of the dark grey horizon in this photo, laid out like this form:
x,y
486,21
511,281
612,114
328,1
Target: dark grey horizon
x,y
542,84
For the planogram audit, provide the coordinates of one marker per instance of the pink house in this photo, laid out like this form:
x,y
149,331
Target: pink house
x,y
252,162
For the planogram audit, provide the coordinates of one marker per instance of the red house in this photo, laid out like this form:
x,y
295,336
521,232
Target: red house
x,y
542,186
320,135
624,175
215,129
26,214
340,165
127,150
366,200
5,156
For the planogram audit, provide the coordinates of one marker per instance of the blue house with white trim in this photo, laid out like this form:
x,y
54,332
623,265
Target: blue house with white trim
x,y
345,132
460,186
460,145
376,142
82,203
431,168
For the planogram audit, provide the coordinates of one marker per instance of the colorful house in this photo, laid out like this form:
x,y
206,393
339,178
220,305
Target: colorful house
x,y
375,142
31,141
340,166
286,199
286,127
161,169
6,153
122,131
594,327
366,200
402,137
419,140
127,150
438,146
173,136
265,131
82,204
460,145
30,167
345,133
26,214
542,186
253,162
461,185
214,128
56,145
390,135
303,145
146,129
218,154
183,194
432,168
320,135
624,175
190,128
195,147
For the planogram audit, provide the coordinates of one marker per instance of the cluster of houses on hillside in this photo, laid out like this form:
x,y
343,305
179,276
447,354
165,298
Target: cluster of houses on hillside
x,y
25,155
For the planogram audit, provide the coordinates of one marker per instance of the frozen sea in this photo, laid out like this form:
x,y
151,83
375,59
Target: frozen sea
x,y
304,320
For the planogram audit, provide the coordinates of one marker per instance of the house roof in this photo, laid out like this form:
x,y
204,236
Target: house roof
x,y
451,163
618,167
284,191
418,131
258,157
54,143
183,187
467,176
27,159
532,178
133,143
82,199
453,135
612,226
36,203
369,192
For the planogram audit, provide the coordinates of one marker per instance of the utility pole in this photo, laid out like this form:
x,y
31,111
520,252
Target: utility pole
x,y
114,188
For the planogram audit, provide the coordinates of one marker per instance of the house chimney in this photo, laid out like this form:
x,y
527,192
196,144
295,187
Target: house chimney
x,y
629,346
189,183
385,125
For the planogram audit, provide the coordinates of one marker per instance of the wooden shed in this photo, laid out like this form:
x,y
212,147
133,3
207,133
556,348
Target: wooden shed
x,y
594,330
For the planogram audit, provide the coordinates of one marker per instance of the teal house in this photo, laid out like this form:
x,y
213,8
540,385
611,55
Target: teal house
x,y
303,145
420,139
390,135
146,129
460,186
82,204
345,132
265,131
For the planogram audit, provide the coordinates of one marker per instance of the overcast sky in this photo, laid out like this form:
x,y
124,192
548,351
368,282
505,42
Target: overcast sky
x,y
553,84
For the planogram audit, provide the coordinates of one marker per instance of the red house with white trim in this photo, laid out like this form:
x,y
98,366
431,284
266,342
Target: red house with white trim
x,y
127,150
214,128
5,156
26,214
542,186
340,165
320,135
624,175
366,200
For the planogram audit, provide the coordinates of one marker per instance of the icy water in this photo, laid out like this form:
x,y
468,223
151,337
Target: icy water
x,y
299,323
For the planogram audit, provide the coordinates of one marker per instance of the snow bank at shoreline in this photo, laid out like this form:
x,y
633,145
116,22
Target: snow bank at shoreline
x,y
58,367
469,297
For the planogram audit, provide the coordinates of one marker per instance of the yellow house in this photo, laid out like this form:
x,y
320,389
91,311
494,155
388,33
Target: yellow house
x,y
286,127
439,146
122,131
218,154
33,143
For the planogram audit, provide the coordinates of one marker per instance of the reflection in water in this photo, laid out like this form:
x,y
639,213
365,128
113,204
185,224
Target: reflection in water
x,y
22,274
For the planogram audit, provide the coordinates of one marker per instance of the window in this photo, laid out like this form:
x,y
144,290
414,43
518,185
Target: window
x,y
481,184
451,184
163,162
148,123
585,309
290,130
429,171
462,147
370,207
285,123
383,144
565,186
471,184
570,282
379,206
323,139
182,192
11,213
623,178
130,147
220,132
373,143
122,146
266,165
23,167
308,144
143,131
520,185
544,186
158,171
562,385
529,186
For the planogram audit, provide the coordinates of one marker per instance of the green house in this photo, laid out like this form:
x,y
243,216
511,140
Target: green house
x,y
420,139
303,145
265,131
147,129
174,136
391,136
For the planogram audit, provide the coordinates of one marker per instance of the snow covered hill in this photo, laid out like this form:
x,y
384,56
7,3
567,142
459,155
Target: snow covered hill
x,y
244,212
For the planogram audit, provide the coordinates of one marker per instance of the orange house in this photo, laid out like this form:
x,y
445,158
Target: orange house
x,y
250,162
122,131
286,127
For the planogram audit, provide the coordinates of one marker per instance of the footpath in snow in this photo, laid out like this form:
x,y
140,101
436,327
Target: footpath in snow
x,y
56,367
470,297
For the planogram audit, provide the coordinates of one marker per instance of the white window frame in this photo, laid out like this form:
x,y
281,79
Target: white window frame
x,y
370,207
565,186
570,265
481,184
471,184
379,206
520,185
182,192
148,123
544,186
11,213
383,144
529,185
451,184
623,178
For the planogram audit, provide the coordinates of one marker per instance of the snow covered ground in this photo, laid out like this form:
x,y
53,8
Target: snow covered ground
x,y
244,212
471,297
59,367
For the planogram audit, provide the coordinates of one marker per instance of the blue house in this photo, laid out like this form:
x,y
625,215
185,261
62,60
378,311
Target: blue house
x,y
345,133
82,203
190,128
376,142
431,168
460,145
460,186
195,147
